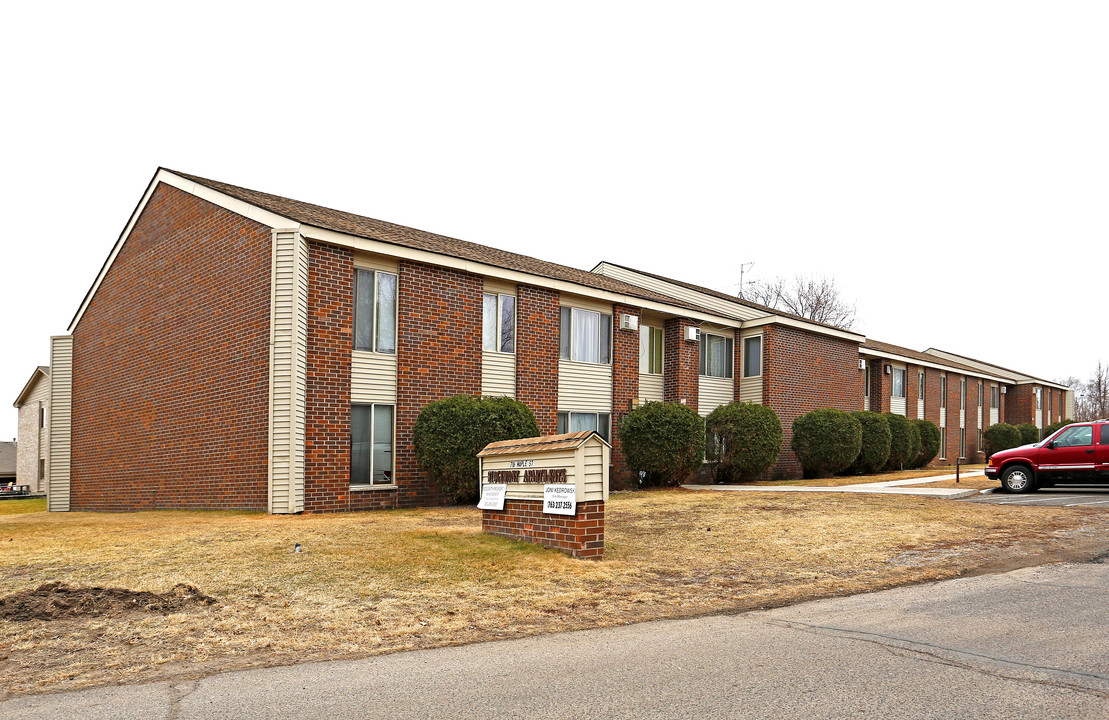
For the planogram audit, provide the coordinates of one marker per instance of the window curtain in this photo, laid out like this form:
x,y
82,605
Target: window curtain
x,y
386,313
586,328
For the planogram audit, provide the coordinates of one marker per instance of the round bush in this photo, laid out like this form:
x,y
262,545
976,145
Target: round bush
x,y
1055,427
1029,433
903,449
450,433
826,441
666,441
749,440
915,441
929,442
876,444
1001,436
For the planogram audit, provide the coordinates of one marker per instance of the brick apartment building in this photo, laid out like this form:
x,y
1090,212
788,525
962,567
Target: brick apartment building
x,y
243,350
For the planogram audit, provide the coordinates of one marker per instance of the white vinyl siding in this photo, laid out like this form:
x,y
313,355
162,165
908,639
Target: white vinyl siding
x,y
373,377
962,405
943,405
652,388
920,393
709,302
498,374
288,371
61,419
584,387
714,392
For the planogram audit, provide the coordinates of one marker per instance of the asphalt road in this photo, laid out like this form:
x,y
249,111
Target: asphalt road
x,y
1089,496
1027,644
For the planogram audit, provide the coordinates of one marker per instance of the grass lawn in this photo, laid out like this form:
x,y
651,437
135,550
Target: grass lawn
x,y
377,582
840,480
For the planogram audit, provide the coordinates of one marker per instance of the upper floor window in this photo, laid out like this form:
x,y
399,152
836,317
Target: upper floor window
x,y
752,356
943,391
995,396
42,417
979,393
898,390
716,356
585,336
498,323
650,350
375,311
963,394
1039,399
920,387
866,383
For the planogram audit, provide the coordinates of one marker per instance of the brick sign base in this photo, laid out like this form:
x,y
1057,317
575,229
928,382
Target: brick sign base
x,y
581,535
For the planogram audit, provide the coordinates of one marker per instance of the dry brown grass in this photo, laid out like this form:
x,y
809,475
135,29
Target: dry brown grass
x,y
377,582
841,480
980,482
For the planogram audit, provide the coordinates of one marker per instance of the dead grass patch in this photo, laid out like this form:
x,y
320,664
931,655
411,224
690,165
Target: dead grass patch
x,y
841,480
370,583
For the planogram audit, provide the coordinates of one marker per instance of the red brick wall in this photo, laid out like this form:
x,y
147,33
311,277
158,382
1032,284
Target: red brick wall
x,y
680,363
438,356
582,535
171,365
803,371
537,322
625,387
1020,404
912,388
952,417
972,420
881,385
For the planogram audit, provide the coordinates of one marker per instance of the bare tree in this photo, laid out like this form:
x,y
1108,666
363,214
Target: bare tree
x,y
1096,393
815,298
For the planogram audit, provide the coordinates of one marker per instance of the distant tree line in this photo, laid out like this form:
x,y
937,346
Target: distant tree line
x,y
1091,397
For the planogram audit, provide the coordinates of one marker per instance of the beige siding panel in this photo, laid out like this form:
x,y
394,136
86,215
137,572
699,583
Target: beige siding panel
x,y
714,392
498,374
750,390
586,303
897,405
994,416
495,285
61,414
373,377
584,387
288,371
651,387
709,302
979,417
919,408
372,261
525,491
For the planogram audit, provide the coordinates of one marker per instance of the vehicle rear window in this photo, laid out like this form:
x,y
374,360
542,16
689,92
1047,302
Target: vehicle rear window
x,y
1105,434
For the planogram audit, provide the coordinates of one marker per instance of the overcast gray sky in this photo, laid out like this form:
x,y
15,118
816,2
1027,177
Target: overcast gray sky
x,y
945,162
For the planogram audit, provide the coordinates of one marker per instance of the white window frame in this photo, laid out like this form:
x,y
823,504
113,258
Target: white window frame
x,y
377,325
943,392
499,317
729,362
920,386
963,394
962,442
980,403
904,375
564,328
743,357
1039,398
943,443
564,422
645,333
392,452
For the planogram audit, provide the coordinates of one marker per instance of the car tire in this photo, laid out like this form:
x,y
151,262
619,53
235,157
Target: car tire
x,y
1018,479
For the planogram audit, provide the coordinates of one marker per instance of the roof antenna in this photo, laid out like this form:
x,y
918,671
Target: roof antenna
x,y
743,268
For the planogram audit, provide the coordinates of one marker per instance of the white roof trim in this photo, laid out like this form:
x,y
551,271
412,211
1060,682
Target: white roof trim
x,y
27,388
811,327
216,198
382,248
935,365
1016,377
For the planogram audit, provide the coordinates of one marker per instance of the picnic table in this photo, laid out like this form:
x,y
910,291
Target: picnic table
x,y
13,489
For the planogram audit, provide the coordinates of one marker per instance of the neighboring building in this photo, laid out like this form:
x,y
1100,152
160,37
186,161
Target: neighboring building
x,y
33,404
244,350
8,452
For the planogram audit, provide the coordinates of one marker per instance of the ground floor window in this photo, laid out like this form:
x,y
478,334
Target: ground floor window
x,y
575,421
979,439
943,443
962,442
371,444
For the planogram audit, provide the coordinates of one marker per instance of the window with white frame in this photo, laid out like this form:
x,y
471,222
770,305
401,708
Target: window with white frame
x,y
371,444
375,311
498,323
920,386
979,438
866,383
963,394
962,442
943,391
995,397
650,350
585,336
980,395
752,356
716,356
575,421
943,443
898,389
1039,399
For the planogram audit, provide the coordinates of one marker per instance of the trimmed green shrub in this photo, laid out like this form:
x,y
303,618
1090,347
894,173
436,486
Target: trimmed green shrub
x,y
929,442
915,441
450,433
748,440
664,440
875,443
826,441
903,449
1029,433
1055,427
1001,436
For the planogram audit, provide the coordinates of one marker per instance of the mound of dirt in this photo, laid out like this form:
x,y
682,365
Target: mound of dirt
x,y
57,601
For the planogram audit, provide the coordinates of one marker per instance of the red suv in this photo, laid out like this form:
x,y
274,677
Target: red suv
x,y
1077,453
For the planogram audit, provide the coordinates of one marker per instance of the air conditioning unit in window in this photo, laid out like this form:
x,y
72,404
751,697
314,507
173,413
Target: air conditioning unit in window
x,y
1004,389
862,363
693,334
629,322
889,369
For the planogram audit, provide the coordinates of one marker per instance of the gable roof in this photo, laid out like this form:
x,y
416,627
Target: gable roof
x,y
41,370
926,359
565,441
391,233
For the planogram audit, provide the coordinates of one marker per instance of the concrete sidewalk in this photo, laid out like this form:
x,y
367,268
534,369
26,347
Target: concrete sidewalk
x,y
889,487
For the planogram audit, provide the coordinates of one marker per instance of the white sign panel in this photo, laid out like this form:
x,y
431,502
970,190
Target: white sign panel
x,y
560,499
492,497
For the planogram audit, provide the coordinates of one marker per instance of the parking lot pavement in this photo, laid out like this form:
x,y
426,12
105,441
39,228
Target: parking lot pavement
x,y
1087,496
